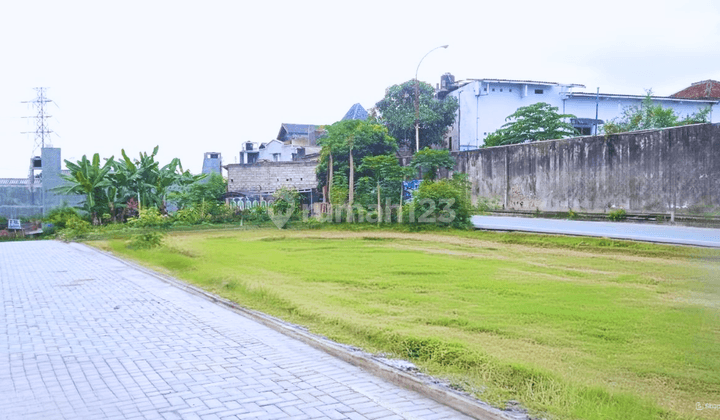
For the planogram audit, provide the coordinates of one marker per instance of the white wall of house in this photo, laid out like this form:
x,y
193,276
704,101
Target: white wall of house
x,y
611,107
484,105
273,151
276,151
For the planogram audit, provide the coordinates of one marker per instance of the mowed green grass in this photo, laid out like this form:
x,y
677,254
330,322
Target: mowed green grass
x,y
570,327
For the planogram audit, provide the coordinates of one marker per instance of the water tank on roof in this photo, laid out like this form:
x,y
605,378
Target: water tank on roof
x,y
447,80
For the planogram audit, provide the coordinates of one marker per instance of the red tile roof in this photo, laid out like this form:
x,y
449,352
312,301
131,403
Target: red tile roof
x,y
707,89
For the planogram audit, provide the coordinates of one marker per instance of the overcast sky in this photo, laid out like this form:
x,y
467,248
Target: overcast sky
x,y
204,76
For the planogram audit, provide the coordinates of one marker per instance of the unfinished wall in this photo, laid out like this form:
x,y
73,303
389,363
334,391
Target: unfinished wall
x,y
652,171
266,177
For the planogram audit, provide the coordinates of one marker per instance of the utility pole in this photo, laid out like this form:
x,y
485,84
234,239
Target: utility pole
x,y
597,105
417,100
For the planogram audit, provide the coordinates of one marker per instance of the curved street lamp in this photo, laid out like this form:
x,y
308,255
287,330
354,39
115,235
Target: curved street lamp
x,y
417,100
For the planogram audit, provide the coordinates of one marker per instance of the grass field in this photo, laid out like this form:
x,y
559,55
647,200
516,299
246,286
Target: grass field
x,y
569,327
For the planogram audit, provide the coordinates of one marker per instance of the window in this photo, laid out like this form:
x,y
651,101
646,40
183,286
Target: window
x,y
213,155
538,91
500,90
276,157
493,89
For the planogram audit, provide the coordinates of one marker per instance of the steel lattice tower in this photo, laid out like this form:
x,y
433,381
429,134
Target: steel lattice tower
x,y
42,132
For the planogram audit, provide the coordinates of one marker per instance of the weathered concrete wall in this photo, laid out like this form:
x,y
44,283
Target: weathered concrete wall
x,y
19,199
267,177
675,169
24,197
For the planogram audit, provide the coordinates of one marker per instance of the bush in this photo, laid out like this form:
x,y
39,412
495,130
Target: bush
x,y
149,217
486,204
339,214
75,228
188,216
444,202
617,215
146,240
59,216
256,214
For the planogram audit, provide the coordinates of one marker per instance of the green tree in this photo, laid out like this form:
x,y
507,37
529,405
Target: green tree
x,y
445,202
535,122
382,168
211,190
348,141
397,113
431,160
168,177
110,187
144,179
649,115
90,179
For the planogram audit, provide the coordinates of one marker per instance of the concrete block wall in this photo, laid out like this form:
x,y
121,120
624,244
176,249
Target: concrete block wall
x,y
653,171
267,177
20,198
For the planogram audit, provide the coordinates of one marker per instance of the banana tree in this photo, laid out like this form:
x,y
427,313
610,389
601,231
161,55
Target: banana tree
x,y
90,179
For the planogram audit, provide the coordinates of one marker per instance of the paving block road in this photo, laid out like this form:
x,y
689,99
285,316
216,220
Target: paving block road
x,y
85,336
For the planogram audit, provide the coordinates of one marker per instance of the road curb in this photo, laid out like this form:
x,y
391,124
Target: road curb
x,y
424,385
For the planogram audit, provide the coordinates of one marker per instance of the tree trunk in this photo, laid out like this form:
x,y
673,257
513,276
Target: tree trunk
x,y
402,190
330,178
351,187
379,210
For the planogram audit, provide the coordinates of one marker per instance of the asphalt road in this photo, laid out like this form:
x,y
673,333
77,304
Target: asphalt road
x,y
679,235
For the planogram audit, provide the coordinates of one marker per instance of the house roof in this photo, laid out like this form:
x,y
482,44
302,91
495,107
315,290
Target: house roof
x,y
706,89
528,82
356,112
296,129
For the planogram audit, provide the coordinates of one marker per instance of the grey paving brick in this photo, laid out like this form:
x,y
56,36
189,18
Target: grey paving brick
x,y
83,335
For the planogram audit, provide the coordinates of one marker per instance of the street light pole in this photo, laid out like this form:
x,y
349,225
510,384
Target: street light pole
x,y
417,100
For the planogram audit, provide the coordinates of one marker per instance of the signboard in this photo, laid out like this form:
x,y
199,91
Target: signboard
x,y
409,189
14,224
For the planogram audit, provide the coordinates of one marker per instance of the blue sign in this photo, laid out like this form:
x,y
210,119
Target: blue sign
x,y
409,188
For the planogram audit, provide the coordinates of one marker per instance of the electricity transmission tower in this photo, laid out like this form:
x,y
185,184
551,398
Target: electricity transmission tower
x,y
42,132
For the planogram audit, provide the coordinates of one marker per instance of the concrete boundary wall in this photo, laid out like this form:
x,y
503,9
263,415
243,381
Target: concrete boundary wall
x,y
652,171
267,177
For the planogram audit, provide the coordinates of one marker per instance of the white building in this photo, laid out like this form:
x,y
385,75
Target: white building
x,y
485,103
272,151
